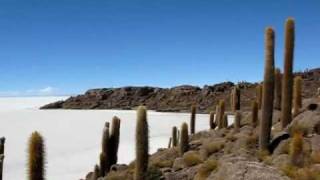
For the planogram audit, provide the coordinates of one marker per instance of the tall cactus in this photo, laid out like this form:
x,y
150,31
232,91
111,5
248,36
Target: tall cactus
x,y
254,114
287,79
211,120
297,96
184,139
277,88
259,95
268,91
105,152
225,121
114,140
235,96
220,113
193,119
174,136
36,157
142,145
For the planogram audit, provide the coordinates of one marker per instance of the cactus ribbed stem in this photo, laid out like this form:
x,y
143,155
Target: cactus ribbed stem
x,y
220,113
235,103
142,145
114,140
105,152
287,79
237,121
268,91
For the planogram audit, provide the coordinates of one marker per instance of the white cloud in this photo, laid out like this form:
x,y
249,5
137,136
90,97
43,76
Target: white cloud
x,y
46,91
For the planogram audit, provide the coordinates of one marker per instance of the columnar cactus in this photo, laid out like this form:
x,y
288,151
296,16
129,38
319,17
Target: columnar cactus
x,y
169,143
237,121
174,136
235,103
254,114
259,95
105,152
268,91
36,157
184,139
297,99
193,119
277,88
211,120
220,113
114,140
287,79
1,165
2,142
142,145
296,150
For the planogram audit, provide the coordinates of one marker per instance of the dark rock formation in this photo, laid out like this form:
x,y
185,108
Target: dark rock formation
x,y
178,98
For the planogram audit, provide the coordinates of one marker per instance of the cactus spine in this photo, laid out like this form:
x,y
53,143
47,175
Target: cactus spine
x,y
235,96
237,121
105,152
268,91
142,145
211,121
277,89
114,140
220,113
193,119
184,139
297,99
174,136
36,157
259,95
287,79
254,114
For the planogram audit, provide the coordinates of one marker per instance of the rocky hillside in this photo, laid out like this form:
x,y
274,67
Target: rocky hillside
x,y
232,154
177,98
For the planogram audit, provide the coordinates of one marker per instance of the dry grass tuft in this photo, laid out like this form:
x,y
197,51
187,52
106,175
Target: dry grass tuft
x,y
205,169
192,158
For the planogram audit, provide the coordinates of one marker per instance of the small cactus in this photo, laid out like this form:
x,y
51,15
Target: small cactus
x,y
268,91
287,79
142,145
36,157
184,139
297,99
193,119
296,150
237,121
114,140
259,95
277,88
174,137
254,114
211,121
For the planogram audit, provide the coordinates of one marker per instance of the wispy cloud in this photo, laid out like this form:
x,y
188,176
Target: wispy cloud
x,y
46,91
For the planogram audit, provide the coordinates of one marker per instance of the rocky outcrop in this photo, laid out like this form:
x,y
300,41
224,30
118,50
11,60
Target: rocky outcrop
x,y
178,98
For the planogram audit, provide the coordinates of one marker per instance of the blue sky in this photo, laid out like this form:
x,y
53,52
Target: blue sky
x,y
68,46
